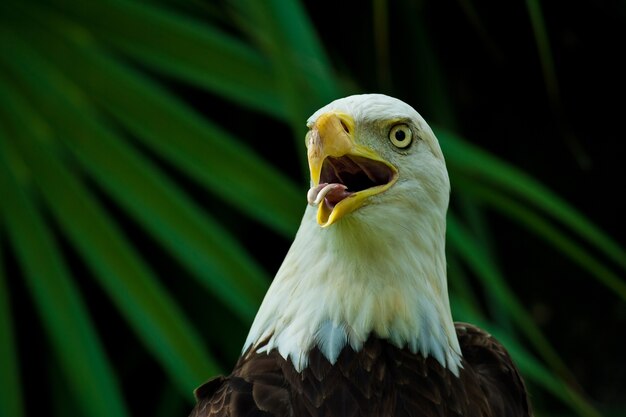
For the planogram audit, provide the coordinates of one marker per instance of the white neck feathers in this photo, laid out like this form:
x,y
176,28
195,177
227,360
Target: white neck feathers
x,y
375,272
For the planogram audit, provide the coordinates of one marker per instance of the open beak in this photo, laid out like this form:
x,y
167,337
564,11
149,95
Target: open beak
x,y
344,174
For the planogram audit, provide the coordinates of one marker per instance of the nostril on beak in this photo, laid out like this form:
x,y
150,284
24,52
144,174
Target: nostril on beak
x,y
345,127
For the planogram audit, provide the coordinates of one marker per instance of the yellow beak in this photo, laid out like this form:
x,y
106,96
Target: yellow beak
x,y
335,158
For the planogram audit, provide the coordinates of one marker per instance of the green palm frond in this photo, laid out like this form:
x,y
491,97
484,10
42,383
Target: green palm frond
x,y
63,312
11,396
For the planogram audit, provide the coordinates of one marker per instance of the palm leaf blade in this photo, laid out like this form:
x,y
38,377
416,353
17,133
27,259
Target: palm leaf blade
x,y
552,235
137,293
492,281
283,30
156,117
191,51
85,365
198,241
466,159
11,400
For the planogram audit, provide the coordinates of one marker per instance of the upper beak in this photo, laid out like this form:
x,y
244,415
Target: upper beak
x,y
343,172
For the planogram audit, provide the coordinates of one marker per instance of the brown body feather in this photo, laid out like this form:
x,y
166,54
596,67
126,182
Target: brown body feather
x,y
379,380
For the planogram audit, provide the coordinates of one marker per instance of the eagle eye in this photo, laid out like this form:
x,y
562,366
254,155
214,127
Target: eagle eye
x,y
401,136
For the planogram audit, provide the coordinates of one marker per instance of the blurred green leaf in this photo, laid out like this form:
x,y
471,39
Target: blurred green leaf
x,y
543,46
155,117
143,301
475,257
70,330
459,281
549,233
431,84
11,400
179,46
199,242
474,219
466,160
283,31
380,12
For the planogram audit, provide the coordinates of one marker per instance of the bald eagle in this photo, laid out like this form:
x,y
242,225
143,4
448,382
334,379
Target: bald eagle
x,y
357,320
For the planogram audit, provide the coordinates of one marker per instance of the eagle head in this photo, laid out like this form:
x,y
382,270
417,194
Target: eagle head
x,y
372,150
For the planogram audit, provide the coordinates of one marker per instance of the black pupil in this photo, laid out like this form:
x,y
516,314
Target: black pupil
x,y
400,134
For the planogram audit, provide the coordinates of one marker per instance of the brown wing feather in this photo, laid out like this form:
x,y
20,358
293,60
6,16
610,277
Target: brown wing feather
x,y
379,380
499,378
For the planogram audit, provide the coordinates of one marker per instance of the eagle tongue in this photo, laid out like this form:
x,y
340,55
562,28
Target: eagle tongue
x,y
332,193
